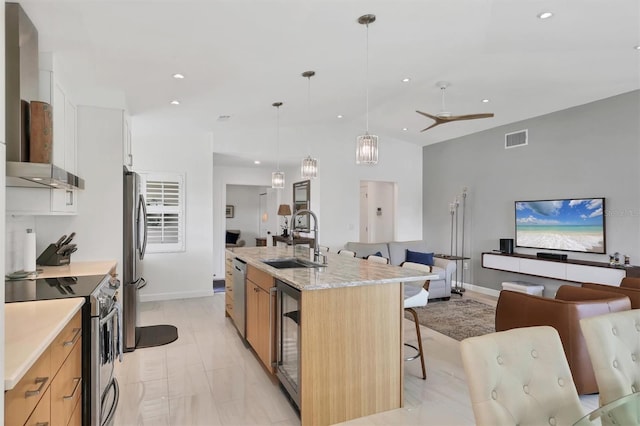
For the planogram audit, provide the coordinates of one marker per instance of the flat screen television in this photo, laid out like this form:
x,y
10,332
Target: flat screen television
x,y
573,224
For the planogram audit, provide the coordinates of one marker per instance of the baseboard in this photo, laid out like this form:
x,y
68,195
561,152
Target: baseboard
x,y
174,295
480,289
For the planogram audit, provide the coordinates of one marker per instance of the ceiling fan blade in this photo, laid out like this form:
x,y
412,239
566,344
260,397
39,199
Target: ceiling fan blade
x,y
433,125
469,117
433,117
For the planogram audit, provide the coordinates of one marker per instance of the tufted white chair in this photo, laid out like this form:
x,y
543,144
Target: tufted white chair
x,y
520,377
378,259
347,253
613,342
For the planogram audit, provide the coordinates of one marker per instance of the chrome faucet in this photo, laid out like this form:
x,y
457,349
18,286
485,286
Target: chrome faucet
x,y
316,248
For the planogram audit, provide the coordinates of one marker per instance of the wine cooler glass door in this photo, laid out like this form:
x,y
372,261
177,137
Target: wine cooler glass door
x,y
289,339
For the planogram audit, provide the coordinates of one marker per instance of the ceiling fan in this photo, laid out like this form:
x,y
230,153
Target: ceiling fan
x,y
444,116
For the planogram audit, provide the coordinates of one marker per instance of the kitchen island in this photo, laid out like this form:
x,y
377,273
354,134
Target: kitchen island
x,y
350,338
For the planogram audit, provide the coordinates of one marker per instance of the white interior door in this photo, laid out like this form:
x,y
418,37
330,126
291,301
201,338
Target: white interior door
x,y
377,211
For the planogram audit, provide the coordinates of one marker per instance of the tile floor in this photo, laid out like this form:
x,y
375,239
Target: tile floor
x,y
207,377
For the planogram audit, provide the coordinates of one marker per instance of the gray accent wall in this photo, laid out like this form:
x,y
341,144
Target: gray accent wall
x,y
592,150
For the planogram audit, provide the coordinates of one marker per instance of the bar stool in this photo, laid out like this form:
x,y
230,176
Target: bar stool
x,y
415,297
347,253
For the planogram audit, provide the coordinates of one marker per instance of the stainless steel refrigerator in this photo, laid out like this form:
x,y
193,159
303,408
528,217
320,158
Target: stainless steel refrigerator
x,y
134,247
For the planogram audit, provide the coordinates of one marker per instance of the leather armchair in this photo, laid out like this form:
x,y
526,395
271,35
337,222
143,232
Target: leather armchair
x,y
632,293
563,313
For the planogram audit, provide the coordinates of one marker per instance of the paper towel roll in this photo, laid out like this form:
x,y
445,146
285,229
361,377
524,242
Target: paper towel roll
x,y
30,251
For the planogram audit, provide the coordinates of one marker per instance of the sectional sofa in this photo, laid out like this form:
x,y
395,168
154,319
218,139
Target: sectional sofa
x,y
396,251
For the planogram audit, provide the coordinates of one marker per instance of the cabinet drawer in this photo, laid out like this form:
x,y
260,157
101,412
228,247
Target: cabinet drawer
x,y
20,401
63,344
42,414
66,388
259,278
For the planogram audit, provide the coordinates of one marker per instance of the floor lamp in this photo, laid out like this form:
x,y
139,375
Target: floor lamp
x,y
455,229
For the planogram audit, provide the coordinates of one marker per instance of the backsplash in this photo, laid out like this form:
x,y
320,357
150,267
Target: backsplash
x,y
16,227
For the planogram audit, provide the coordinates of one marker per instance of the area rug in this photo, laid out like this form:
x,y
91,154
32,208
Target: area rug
x,y
457,318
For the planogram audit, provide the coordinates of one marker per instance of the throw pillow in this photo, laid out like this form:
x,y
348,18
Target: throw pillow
x,y
417,257
232,237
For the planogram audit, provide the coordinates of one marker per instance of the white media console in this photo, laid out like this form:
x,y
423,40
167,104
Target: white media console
x,y
566,270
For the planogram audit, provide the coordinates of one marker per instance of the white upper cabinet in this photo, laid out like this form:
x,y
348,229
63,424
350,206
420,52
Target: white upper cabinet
x,y
44,201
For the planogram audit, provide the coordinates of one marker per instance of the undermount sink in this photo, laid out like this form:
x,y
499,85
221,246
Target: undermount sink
x,y
291,262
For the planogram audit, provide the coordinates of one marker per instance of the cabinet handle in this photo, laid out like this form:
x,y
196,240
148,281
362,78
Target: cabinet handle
x,y
42,424
69,198
43,381
78,333
78,380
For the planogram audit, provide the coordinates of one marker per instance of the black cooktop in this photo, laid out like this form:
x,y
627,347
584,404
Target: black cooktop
x,y
50,288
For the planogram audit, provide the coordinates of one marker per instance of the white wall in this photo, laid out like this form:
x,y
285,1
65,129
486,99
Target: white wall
x,y
98,224
158,148
335,193
246,202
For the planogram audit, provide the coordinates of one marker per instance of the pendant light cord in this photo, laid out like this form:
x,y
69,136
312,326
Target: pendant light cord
x,y
278,138
309,112
367,78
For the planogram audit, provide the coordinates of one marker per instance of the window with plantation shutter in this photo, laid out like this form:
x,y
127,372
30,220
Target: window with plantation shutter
x,y
164,196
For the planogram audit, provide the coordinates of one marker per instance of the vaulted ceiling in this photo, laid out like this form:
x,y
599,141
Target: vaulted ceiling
x,y
238,57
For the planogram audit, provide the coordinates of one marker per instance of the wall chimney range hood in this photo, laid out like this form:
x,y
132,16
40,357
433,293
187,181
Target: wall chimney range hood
x,y
21,87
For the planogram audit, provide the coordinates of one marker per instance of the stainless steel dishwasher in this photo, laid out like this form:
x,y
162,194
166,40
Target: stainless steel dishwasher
x,y
239,292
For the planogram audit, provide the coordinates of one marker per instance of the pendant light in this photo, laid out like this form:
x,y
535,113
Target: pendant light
x,y
277,177
309,168
367,145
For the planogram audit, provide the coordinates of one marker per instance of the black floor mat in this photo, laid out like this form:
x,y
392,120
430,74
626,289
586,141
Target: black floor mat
x,y
155,335
218,286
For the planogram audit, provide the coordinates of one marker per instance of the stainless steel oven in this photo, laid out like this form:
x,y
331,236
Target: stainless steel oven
x,y
288,318
106,348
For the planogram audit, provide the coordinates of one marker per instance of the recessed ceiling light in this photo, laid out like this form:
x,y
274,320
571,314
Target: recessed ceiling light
x,y
37,179
175,102
637,47
339,115
54,184
178,76
545,15
406,80
485,101
404,129
256,162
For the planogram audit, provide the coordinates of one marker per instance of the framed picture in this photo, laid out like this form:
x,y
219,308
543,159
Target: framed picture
x,y
229,211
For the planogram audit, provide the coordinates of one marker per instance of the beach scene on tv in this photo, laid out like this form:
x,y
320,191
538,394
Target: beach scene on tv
x,y
572,224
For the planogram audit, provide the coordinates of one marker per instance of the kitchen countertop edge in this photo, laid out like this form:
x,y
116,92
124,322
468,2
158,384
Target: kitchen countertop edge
x,y
54,315
386,275
78,269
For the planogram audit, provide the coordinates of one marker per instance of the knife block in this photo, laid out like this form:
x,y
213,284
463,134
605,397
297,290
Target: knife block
x,y
49,257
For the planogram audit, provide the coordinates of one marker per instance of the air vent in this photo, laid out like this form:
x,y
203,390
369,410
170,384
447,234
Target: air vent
x,y
515,139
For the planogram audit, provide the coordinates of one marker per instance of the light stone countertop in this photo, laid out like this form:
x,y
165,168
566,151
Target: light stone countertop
x,y
77,269
340,271
30,327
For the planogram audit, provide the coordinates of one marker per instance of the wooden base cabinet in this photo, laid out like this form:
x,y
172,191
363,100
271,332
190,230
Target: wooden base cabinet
x,y
351,361
50,392
260,309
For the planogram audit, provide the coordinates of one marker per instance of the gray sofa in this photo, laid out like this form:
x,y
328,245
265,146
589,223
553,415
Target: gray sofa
x,y
396,251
